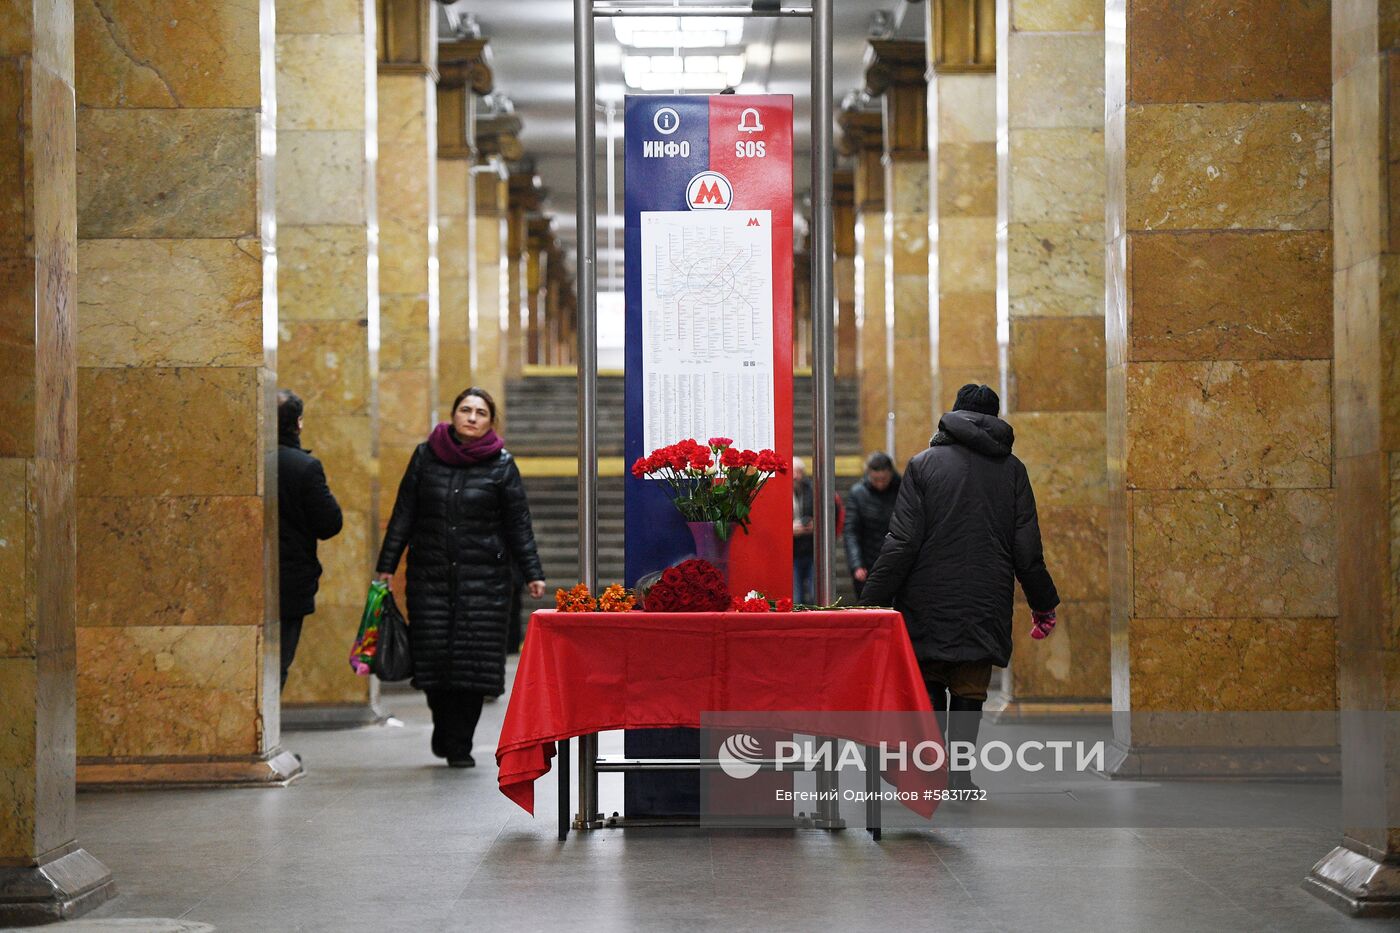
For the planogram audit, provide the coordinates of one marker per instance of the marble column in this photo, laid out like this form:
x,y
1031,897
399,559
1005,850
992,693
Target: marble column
x,y
533,284
492,268
465,74
406,181
525,197
802,309
963,195
44,875
1219,323
862,138
328,307
1050,216
178,630
843,208
1362,875
895,72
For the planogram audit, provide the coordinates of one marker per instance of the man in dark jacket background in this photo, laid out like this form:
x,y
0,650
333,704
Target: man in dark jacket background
x,y
964,530
869,505
307,513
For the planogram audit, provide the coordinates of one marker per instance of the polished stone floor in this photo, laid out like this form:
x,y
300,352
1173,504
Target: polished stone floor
x,y
381,837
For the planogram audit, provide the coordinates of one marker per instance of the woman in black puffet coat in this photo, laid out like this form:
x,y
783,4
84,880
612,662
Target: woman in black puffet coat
x,y
462,515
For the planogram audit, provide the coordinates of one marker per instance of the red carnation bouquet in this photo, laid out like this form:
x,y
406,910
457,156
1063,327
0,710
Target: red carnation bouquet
x,y
713,482
690,586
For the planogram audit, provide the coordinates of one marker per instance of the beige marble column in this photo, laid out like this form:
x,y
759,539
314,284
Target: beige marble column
x,y
533,284
525,198
1050,223
328,307
862,138
1362,875
1223,529
802,309
465,74
963,194
490,293
44,875
406,179
895,72
177,308
843,208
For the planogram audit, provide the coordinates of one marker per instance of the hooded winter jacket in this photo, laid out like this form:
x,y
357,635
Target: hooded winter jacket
x,y
868,512
463,527
964,530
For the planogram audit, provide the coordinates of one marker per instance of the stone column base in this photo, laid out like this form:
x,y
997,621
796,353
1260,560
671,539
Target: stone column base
x,y
1356,884
1002,709
67,884
277,768
1215,763
317,717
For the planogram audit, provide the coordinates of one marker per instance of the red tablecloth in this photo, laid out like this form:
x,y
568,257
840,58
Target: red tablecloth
x,y
581,673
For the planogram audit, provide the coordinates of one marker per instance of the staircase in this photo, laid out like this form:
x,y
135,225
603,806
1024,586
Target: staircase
x,y
541,421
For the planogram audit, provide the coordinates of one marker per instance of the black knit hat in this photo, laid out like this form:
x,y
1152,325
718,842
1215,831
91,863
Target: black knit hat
x,y
980,399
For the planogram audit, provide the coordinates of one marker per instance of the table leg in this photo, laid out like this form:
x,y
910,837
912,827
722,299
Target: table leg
x,y
563,775
872,789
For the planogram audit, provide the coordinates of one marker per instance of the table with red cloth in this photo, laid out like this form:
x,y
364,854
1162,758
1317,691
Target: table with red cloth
x,y
587,672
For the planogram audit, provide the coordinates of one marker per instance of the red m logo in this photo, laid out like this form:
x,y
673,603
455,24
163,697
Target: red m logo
x,y
709,194
753,222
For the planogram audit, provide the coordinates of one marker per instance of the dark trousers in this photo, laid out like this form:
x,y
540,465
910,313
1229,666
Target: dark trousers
x,y
455,714
291,634
803,582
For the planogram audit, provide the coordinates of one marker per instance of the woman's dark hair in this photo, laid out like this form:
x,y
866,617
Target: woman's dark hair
x,y
479,393
879,462
289,409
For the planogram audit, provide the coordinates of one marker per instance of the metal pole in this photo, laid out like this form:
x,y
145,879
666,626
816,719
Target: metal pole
x,y
586,146
823,368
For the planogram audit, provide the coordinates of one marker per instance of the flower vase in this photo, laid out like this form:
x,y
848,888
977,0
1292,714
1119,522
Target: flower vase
x,y
709,546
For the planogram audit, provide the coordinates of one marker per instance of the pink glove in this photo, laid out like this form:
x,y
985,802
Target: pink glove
x,y
1042,624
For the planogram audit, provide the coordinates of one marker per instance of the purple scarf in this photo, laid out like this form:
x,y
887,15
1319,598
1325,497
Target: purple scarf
x,y
454,452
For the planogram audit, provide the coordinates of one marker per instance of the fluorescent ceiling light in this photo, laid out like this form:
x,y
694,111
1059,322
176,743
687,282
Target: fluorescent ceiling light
x,y
686,32
687,73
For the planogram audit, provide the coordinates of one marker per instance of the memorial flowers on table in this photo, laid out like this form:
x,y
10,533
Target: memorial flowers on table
x,y
712,482
690,586
754,601
614,598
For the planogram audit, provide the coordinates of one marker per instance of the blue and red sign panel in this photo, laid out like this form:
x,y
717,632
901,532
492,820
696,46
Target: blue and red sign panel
x,y
708,187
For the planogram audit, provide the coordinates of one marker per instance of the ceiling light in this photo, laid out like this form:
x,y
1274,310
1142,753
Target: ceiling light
x,y
686,73
686,32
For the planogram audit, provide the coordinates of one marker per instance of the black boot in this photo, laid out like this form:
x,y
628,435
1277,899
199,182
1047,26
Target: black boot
x,y
965,720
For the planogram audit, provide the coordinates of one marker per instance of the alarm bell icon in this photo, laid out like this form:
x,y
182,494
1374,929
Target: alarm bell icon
x,y
749,121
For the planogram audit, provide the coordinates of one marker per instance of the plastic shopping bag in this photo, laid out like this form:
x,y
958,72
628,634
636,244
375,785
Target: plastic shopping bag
x,y
367,638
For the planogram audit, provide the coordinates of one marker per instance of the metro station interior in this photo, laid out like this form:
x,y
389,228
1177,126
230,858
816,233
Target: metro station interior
x,y
1159,229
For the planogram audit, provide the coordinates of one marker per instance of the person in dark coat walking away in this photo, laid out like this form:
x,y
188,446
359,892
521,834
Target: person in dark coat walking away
x,y
964,530
869,505
462,515
306,513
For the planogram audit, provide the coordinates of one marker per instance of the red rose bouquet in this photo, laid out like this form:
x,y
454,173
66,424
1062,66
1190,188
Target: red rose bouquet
x,y
690,586
714,482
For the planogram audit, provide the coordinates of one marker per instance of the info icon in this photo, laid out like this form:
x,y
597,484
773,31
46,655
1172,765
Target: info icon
x,y
666,121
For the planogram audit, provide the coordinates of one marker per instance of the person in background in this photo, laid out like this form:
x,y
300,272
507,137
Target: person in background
x,y
803,514
306,513
964,529
869,505
462,515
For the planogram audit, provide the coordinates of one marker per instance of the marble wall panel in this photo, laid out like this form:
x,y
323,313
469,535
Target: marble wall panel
x,y
18,384
148,561
321,177
205,183
967,180
967,109
1234,553
14,88
1239,664
1058,175
196,302
404,329
967,254
1057,16
1076,547
404,404
1055,269
870,311
403,248
321,17
967,328
200,425
1247,166
342,442
167,53
320,677
1231,296
322,273
1058,364
1224,424
1056,80
1064,455
150,691
19,686
306,99
1204,51
347,560
327,364
17,635
1072,667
